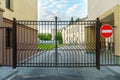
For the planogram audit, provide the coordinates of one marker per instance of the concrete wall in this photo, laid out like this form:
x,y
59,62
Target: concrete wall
x,y
98,7
112,16
109,13
26,42
2,45
5,52
21,9
1,16
90,37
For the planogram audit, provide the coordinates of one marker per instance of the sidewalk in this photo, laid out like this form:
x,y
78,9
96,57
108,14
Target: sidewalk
x,y
7,72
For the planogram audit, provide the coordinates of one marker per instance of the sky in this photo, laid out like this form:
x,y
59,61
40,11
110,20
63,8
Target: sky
x,y
63,9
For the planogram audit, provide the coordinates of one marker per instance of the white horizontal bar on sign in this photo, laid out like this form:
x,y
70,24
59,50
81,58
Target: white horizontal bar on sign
x,y
106,31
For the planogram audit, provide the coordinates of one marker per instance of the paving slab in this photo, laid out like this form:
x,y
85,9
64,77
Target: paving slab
x,y
65,74
115,70
7,72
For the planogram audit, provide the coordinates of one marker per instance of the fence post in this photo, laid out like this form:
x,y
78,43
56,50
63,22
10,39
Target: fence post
x,y
56,41
98,44
14,44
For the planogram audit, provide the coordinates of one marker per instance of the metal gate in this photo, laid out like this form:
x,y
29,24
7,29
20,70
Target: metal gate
x,y
56,43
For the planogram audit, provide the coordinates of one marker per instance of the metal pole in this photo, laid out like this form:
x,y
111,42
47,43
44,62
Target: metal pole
x,y
98,44
56,41
14,44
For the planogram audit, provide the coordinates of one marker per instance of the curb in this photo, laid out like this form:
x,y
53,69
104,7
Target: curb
x,y
11,74
115,70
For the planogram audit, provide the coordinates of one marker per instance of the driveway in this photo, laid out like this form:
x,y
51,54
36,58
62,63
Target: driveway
x,y
67,56
38,73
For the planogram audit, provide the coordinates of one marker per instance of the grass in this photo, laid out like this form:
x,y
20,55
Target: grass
x,y
48,46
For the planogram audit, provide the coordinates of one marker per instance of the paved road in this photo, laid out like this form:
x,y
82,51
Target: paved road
x,y
67,54
64,74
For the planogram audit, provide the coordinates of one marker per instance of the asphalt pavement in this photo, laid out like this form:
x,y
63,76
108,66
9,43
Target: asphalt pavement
x,y
58,73
86,73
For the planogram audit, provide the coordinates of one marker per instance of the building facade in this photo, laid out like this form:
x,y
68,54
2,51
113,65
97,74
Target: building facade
x,y
80,33
21,10
73,34
109,13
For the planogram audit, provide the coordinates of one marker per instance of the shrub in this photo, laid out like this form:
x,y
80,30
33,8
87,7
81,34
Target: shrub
x,y
42,36
59,37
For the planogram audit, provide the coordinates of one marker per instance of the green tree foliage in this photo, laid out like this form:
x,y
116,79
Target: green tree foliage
x,y
71,21
78,19
59,37
42,36
49,37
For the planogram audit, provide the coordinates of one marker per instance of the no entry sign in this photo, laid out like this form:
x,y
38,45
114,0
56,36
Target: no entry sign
x,y
106,31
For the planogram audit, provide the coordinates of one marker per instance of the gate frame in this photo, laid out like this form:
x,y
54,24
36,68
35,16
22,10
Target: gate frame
x,y
56,46
14,43
98,44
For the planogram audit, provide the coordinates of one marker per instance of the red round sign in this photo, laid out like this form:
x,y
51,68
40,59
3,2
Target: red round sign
x,y
106,31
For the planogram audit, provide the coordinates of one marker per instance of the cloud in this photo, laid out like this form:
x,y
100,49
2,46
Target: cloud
x,y
64,9
54,3
46,15
73,8
47,7
66,1
45,3
60,5
51,0
78,10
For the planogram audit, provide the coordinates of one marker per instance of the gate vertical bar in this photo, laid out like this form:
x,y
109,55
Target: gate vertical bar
x,y
14,44
98,43
56,41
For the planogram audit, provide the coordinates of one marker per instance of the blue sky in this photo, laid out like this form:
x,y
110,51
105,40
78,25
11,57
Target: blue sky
x,y
64,9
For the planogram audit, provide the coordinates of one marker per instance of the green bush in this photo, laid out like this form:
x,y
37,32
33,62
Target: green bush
x,y
59,37
42,36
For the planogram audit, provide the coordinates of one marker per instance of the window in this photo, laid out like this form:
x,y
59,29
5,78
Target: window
x,y
9,4
8,38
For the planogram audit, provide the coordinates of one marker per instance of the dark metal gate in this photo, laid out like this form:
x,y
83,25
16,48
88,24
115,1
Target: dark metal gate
x,y
56,43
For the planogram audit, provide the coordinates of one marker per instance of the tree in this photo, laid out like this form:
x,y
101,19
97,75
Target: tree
x,y
49,36
71,21
42,36
59,37
78,19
